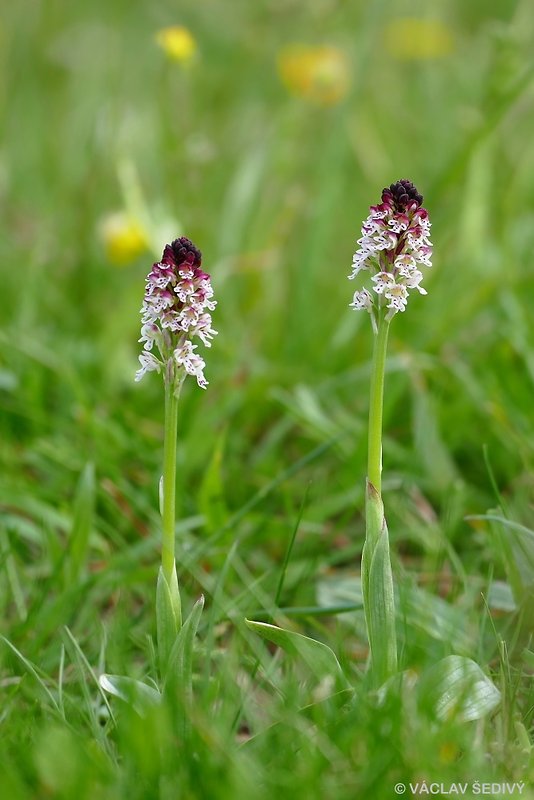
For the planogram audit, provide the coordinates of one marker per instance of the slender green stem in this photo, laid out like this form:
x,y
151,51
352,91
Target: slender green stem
x,y
377,577
168,604
169,481
374,462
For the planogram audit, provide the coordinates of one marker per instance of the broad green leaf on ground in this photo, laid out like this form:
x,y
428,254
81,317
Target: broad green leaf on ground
x,y
438,619
136,693
415,608
500,596
456,688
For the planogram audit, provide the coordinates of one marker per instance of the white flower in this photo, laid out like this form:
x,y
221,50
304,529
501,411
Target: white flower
x,y
204,330
149,363
362,299
412,279
191,362
149,334
397,295
382,281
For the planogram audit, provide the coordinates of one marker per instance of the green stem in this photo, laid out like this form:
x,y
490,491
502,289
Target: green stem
x,y
377,577
169,481
376,401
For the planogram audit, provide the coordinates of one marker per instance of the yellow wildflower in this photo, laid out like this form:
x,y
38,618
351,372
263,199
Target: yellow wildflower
x,y
320,74
124,237
178,43
412,39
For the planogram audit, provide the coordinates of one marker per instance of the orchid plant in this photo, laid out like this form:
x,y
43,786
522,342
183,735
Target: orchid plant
x,y
394,244
176,309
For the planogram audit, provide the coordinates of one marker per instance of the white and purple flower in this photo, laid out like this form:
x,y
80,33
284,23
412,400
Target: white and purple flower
x,y
394,243
176,307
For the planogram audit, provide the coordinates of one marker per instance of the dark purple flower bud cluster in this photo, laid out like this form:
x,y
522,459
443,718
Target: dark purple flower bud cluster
x,y
402,195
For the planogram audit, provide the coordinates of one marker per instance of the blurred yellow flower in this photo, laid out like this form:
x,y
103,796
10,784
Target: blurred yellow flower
x,y
412,39
448,752
320,74
124,237
178,43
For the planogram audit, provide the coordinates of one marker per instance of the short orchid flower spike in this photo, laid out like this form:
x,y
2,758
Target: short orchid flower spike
x,y
176,309
394,244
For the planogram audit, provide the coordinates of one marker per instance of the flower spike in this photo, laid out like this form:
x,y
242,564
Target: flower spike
x,y
176,308
394,242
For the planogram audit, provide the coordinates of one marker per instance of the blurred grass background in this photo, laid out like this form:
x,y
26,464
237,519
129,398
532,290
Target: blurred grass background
x,y
264,138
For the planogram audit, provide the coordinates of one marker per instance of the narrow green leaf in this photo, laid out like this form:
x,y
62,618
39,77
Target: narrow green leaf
x,y
318,657
308,611
456,688
381,612
514,527
168,621
377,589
33,670
13,577
180,663
510,558
136,693
84,666
241,197
304,404
84,503
289,549
523,737
176,600
527,657
197,553
510,544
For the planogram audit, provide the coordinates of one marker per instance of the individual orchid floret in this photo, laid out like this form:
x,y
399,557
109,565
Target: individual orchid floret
x,y
362,299
149,363
176,308
394,243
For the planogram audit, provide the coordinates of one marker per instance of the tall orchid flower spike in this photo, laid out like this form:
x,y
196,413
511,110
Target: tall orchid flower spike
x,y
394,244
176,310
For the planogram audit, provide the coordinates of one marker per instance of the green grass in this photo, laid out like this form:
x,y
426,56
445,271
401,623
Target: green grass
x,y
273,190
